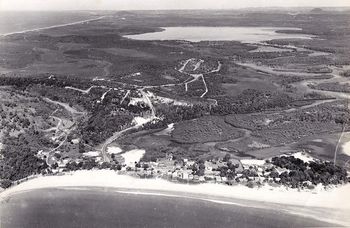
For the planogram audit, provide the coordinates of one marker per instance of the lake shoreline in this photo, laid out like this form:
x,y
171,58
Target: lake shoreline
x,y
248,34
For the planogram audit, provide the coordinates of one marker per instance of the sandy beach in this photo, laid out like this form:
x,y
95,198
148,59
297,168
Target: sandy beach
x,y
52,26
335,202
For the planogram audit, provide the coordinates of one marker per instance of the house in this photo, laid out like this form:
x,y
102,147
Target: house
x,y
75,141
91,154
178,166
208,167
190,163
161,165
179,174
174,175
247,163
154,164
209,177
239,175
218,179
63,163
169,157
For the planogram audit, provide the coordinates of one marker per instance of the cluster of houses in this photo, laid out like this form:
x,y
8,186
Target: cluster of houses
x,y
250,172
182,171
246,171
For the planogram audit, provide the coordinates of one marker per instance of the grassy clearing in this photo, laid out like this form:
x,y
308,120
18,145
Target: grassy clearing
x,y
205,129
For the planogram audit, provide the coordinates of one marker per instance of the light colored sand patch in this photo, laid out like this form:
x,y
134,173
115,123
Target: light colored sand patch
x,y
270,49
141,120
317,140
169,129
92,154
114,150
166,131
303,156
252,162
346,148
136,100
136,74
99,79
258,145
166,100
133,156
267,121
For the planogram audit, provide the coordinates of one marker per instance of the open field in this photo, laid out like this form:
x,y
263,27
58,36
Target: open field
x,y
206,129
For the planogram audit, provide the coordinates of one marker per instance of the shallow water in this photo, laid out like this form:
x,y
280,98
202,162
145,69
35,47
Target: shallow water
x,y
196,34
78,207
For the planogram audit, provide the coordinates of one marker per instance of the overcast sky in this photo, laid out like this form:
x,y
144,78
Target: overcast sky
x,y
159,4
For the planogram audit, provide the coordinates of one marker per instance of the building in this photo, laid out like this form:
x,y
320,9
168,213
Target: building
x,y
169,157
174,176
247,163
218,179
185,175
209,177
75,141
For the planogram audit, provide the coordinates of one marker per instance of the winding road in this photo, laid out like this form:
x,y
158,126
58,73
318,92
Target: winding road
x,y
116,135
196,77
64,105
65,131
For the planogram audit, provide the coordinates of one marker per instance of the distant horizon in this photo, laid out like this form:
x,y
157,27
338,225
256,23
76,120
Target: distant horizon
x,y
137,5
338,8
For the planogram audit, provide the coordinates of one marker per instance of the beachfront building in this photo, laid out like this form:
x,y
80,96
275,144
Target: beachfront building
x,y
218,179
185,175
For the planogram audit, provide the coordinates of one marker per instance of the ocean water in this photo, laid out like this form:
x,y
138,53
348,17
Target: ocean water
x,y
19,21
242,34
51,208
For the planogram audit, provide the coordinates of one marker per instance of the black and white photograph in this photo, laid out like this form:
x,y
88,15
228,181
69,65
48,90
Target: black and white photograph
x,y
174,113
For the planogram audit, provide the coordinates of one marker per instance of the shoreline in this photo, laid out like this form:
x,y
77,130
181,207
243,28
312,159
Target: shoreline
x,y
51,26
334,202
